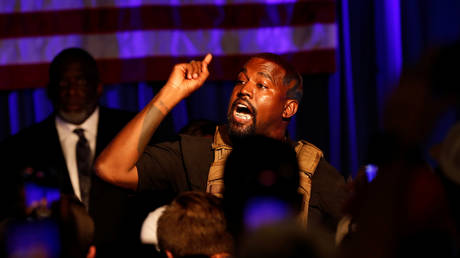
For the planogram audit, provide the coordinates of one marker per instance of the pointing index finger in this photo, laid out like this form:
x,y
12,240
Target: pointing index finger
x,y
207,59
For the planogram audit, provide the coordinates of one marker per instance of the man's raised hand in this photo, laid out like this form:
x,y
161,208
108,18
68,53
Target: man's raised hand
x,y
188,77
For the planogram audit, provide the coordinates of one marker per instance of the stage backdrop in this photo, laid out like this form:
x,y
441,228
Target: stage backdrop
x,y
136,43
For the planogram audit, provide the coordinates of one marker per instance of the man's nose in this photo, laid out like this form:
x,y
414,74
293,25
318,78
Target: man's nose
x,y
72,90
246,90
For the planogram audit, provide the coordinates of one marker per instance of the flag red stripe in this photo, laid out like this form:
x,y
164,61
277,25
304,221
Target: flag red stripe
x,y
158,68
109,20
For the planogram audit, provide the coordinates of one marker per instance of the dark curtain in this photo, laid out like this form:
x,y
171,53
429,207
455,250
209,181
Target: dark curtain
x,y
340,112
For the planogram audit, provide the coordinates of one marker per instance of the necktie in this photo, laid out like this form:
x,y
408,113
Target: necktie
x,y
84,165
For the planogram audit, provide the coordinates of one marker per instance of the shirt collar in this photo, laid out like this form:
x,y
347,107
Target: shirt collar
x,y
220,139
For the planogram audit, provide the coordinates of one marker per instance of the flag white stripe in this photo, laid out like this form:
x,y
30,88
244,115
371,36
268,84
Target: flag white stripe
x,y
21,6
138,44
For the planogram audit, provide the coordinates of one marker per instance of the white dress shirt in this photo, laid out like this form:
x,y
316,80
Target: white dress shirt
x,y
150,226
69,139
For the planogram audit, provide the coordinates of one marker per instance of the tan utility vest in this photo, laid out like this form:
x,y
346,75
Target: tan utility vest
x,y
308,156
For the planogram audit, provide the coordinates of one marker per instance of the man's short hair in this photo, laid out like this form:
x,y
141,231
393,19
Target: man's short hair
x,y
194,224
296,90
66,57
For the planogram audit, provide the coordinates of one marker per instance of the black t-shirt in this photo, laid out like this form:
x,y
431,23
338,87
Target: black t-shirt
x,y
183,164
176,166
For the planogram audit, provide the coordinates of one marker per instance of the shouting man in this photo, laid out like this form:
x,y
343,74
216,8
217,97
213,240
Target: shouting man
x,y
265,97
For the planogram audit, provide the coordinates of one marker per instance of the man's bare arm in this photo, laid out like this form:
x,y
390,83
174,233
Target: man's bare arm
x,y
117,163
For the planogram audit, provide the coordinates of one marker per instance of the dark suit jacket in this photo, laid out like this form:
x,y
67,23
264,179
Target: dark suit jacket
x,y
38,147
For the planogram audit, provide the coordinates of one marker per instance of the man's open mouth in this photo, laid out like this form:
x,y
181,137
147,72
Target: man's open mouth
x,y
242,112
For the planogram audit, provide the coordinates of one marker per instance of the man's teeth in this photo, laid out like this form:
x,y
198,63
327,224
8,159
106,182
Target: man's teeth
x,y
242,112
242,115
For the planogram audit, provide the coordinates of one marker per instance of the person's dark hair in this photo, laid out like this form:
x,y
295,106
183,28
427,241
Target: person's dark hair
x,y
194,224
75,225
296,91
199,127
259,167
66,57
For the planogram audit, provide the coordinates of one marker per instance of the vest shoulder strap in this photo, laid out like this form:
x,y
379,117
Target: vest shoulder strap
x,y
308,156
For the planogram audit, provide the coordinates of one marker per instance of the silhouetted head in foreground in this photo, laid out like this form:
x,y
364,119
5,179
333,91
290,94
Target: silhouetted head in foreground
x,y
261,180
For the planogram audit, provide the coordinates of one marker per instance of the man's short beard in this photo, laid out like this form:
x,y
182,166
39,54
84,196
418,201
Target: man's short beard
x,y
237,132
76,118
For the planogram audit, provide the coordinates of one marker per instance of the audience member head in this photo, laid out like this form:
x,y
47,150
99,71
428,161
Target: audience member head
x,y
199,127
424,93
194,225
391,218
267,93
261,179
74,87
67,231
76,227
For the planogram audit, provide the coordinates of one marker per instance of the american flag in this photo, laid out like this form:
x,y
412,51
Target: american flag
x,y
140,40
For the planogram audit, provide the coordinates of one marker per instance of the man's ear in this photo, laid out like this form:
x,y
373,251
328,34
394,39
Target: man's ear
x,y
290,108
